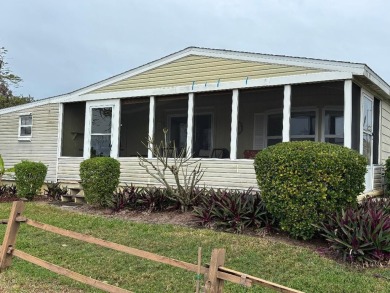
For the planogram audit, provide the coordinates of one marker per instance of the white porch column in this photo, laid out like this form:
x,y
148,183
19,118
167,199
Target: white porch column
x,y
286,113
348,113
190,123
233,133
152,108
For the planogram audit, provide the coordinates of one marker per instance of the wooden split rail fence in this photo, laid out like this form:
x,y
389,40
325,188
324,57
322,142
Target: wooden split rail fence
x,y
214,274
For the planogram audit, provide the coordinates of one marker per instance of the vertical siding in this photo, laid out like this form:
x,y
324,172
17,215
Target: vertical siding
x,y
385,131
43,145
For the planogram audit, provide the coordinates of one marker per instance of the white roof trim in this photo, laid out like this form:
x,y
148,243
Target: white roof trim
x,y
352,68
37,103
377,80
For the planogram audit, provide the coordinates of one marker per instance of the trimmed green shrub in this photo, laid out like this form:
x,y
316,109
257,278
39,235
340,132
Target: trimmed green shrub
x,y
387,176
99,178
2,170
29,177
302,182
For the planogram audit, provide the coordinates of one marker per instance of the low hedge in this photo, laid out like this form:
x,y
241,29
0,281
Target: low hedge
x,y
99,178
302,182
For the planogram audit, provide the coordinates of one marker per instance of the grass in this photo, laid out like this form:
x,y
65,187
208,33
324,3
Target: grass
x,y
289,265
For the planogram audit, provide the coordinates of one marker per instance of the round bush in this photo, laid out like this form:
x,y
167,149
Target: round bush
x,y
99,178
302,182
29,177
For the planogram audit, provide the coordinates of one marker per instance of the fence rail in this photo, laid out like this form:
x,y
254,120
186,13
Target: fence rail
x,y
215,273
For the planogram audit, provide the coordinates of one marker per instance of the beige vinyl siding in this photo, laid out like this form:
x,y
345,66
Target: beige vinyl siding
x,y
43,145
385,131
68,169
200,69
378,177
218,173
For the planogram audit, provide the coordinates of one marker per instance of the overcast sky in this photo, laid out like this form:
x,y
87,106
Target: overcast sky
x,y
60,46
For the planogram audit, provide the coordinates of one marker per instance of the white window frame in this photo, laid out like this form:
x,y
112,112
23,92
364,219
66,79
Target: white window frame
x,y
115,105
293,110
365,94
316,130
323,134
25,137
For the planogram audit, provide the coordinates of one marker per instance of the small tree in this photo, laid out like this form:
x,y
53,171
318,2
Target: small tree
x,y
168,160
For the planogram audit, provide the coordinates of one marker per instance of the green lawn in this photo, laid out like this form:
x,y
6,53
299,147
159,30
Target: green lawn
x,y
292,266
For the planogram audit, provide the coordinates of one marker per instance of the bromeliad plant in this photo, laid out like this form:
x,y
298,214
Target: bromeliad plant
x,y
232,210
54,190
142,199
361,234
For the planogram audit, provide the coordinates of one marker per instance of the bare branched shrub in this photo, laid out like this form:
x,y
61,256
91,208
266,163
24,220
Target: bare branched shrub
x,y
168,160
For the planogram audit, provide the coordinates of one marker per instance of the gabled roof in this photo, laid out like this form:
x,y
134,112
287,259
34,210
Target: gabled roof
x,y
365,74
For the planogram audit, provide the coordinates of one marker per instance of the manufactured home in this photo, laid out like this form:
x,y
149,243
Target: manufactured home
x,y
221,106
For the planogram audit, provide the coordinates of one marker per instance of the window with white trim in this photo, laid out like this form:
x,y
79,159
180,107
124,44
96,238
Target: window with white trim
x,y
303,126
274,128
101,132
334,127
25,126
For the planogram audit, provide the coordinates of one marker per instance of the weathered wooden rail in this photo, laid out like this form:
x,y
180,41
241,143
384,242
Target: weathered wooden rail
x,y
214,274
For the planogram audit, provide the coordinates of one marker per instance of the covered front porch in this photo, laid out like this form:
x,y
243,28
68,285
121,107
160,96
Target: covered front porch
x,y
225,128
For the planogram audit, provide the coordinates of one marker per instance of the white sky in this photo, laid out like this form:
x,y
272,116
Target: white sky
x,y
59,46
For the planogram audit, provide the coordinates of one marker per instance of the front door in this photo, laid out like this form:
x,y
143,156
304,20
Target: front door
x,y
101,129
367,135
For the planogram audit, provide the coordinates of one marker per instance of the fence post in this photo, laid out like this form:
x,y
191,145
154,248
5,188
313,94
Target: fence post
x,y
10,235
213,284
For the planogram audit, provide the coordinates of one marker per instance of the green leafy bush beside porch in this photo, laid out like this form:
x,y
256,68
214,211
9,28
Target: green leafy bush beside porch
x,y
29,177
99,178
302,182
387,176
